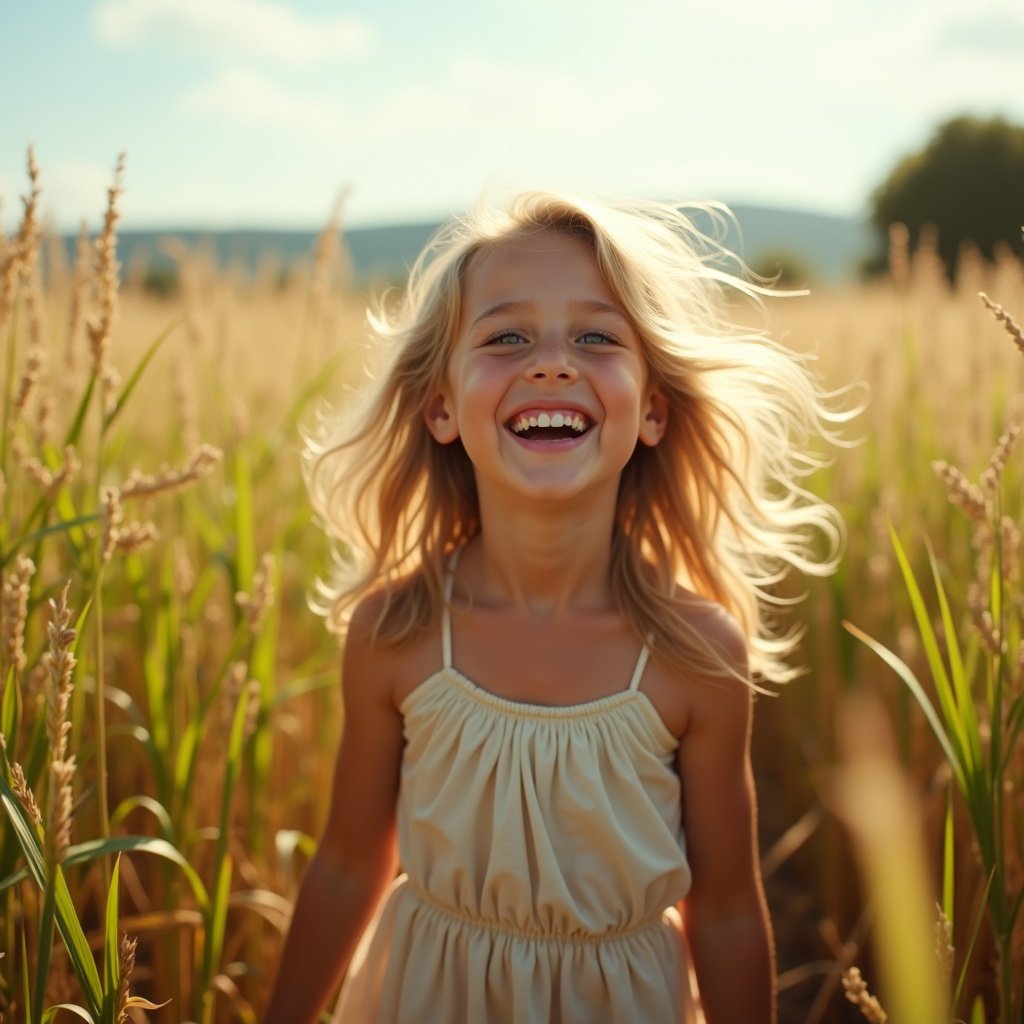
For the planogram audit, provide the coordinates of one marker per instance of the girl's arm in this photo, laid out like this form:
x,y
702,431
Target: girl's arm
x,y
727,924
356,857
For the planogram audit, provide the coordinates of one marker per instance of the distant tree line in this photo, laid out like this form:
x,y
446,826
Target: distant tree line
x,y
966,184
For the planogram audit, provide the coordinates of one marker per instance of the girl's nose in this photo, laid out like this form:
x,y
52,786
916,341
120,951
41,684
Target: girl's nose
x,y
551,361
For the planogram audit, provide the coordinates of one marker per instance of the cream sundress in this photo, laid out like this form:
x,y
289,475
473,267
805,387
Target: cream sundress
x,y
543,855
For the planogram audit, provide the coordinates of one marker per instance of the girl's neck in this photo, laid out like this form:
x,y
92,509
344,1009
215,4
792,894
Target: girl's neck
x,y
555,560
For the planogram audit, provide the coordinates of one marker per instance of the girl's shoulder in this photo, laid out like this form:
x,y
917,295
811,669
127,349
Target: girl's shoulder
x,y
392,665
695,695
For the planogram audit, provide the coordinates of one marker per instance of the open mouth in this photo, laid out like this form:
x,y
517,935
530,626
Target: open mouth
x,y
549,424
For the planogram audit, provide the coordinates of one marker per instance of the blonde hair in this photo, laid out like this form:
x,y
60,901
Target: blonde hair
x,y
717,506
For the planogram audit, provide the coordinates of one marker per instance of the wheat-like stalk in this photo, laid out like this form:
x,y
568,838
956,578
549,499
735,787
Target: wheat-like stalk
x,y
1011,325
127,966
167,478
256,605
962,493
857,992
49,481
27,244
101,326
59,661
14,596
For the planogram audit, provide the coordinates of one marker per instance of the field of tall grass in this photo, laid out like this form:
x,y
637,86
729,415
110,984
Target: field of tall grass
x,y
169,705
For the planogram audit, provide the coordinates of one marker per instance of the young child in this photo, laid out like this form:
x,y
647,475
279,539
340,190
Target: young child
x,y
563,508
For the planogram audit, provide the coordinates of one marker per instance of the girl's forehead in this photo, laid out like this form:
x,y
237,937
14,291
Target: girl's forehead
x,y
539,262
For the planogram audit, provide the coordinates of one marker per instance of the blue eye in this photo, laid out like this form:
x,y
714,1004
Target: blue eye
x,y
506,338
596,338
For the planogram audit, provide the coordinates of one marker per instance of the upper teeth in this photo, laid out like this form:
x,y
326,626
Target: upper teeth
x,y
577,421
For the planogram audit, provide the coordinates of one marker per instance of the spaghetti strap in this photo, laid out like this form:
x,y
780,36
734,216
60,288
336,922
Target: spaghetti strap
x,y
641,664
446,609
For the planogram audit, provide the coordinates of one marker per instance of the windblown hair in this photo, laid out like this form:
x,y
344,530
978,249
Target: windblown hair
x,y
717,507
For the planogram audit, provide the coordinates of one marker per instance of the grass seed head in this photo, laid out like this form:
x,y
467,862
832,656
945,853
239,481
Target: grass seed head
x,y
58,811
1011,325
993,474
944,950
256,605
59,662
127,965
857,992
962,493
25,795
13,614
167,478
101,326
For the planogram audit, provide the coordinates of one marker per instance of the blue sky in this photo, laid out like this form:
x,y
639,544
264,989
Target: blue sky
x,y
259,112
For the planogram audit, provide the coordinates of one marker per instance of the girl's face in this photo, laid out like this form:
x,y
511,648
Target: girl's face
x,y
547,385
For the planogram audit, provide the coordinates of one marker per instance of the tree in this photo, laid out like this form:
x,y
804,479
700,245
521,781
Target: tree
x,y
968,183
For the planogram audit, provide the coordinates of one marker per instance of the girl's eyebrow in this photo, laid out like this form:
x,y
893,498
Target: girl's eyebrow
x,y
520,305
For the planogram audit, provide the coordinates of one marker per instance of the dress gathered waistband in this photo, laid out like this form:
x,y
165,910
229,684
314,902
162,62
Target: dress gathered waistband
x,y
475,921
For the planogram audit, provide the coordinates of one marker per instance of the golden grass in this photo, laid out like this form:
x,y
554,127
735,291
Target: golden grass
x,y
168,509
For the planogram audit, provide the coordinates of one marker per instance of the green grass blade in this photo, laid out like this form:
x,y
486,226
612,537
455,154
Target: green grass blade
x,y
70,526
78,947
145,803
940,677
26,988
43,954
222,859
137,373
83,853
948,860
78,1011
245,540
912,684
111,950
975,931
963,698
74,433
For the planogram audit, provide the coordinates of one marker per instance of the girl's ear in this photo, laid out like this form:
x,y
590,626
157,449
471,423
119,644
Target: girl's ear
x,y
439,418
655,417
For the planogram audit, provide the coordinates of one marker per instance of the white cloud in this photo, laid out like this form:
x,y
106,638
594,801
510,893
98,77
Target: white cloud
x,y
912,67
253,28
244,96
482,97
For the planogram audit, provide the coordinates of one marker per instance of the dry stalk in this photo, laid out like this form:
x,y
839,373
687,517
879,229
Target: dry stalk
x,y
76,310
27,243
113,518
25,795
59,661
167,478
944,949
857,992
117,534
993,474
127,965
256,605
983,622
966,496
49,481
1012,327
13,614
101,326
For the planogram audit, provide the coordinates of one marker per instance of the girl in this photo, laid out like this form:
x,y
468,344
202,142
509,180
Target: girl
x,y
563,508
